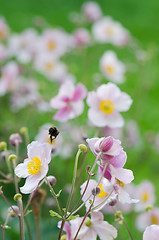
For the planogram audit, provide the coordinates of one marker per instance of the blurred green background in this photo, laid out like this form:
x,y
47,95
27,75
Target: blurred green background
x,y
141,19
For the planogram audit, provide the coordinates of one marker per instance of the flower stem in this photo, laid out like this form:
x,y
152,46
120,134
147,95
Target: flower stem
x,y
20,204
15,177
54,195
5,224
84,219
28,228
126,226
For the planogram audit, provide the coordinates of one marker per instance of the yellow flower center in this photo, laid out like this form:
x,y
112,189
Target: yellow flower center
x,y
102,192
106,106
51,45
109,69
154,220
34,166
145,197
109,30
49,66
120,183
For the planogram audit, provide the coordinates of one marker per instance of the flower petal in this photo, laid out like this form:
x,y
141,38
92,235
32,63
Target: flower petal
x,y
98,118
79,93
63,114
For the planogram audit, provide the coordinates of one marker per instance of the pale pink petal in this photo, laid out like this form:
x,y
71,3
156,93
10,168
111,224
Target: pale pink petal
x,y
92,100
108,91
79,93
115,148
97,216
77,109
91,142
63,114
151,232
57,102
105,230
106,145
97,118
90,235
123,103
30,184
119,160
114,120
124,175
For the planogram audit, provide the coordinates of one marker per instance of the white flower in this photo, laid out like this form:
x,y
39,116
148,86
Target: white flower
x,y
106,30
105,105
112,68
35,167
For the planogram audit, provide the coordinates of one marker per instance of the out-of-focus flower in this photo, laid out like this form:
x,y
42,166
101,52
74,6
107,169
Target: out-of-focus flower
x,y
51,67
145,193
132,134
4,30
15,139
105,105
112,68
3,52
25,94
93,227
69,101
91,11
14,213
147,218
151,232
35,167
114,132
67,229
9,79
82,37
22,46
108,147
55,42
106,30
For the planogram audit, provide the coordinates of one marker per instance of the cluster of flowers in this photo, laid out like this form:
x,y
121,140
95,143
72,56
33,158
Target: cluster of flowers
x,y
21,55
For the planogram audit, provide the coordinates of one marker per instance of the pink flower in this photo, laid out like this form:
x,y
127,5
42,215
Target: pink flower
x,y
82,37
69,101
109,147
91,11
35,167
15,139
151,232
105,105
93,227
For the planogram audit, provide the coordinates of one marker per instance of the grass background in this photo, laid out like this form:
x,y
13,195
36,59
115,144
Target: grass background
x,y
141,19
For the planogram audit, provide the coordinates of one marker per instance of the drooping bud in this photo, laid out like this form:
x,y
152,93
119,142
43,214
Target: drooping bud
x,y
15,139
52,180
17,196
14,213
12,157
82,147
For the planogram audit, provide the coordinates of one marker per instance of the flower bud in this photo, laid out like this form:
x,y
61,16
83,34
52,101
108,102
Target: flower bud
x,y
64,237
88,222
3,146
52,180
23,130
148,208
112,202
96,191
82,147
17,196
14,213
15,139
12,157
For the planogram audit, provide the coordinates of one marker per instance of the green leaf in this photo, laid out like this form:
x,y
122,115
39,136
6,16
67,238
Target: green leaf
x,y
53,214
73,217
58,194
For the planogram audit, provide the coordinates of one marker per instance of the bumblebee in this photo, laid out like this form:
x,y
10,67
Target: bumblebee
x,y
53,132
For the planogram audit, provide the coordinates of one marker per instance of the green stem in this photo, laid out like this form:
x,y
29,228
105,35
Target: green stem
x,y
54,195
21,217
5,224
15,177
28,228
